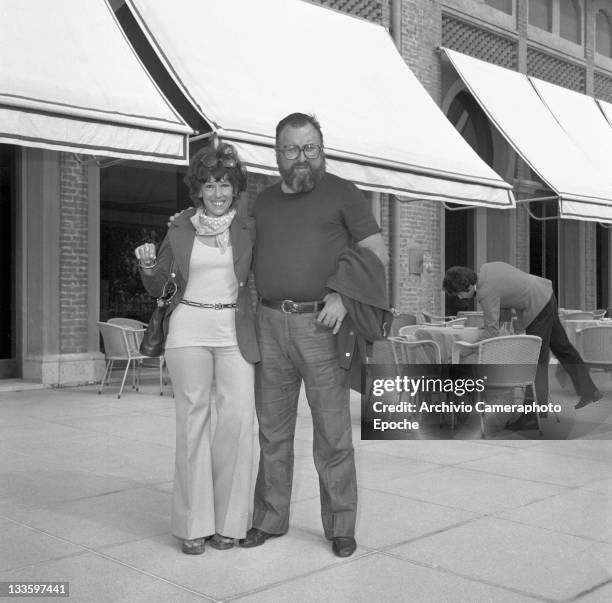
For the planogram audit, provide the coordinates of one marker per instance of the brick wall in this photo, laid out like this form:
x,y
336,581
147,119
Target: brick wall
x,y
73,256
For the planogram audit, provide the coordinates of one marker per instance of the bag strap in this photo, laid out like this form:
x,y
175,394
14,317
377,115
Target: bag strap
x,y
170,286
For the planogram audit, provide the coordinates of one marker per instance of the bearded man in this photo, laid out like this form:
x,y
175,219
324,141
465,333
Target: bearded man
x,y
304,223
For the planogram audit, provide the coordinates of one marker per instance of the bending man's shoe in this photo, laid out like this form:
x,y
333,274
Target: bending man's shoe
x,y
343,546
585,401
255,537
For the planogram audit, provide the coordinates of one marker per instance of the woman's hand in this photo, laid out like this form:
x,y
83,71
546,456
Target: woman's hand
x,y
146,255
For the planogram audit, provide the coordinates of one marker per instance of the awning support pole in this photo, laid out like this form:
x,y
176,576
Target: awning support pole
x,y
202,136
396,215
94,160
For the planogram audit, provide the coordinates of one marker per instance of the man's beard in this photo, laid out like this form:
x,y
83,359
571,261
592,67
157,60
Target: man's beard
x,y
303,181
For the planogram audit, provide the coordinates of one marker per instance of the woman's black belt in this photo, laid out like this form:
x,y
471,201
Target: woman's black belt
x,y
188,302
291,307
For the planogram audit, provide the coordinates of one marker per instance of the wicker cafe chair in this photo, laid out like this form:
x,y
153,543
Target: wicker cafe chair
x,y
419,352
595,346
402,320
429,317
473,319
139,327
121,344
424,351
522,351
455,322
382,354
578,316
408,331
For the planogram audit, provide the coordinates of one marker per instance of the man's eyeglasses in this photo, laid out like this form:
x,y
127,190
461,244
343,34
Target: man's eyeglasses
x,y
292,151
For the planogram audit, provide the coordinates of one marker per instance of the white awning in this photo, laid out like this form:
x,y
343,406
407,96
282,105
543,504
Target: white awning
x,y
70,81
537,132
253,62
606,108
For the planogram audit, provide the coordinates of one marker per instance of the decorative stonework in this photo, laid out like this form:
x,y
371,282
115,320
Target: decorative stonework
x,y
366,9
555,70
603,87
477,42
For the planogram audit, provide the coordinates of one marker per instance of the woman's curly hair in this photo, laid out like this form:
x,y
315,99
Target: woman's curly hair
x,y
218,163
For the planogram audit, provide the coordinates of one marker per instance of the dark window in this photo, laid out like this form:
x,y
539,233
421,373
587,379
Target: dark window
x,y
503,5
136,200
7,256
570,20
470,120
603,266
603,36
540,13
543,241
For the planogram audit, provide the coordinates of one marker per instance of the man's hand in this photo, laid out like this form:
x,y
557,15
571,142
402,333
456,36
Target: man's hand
x,y
333,313
172,218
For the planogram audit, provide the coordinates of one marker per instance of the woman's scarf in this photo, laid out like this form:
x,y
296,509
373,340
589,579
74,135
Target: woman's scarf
x,y
214,225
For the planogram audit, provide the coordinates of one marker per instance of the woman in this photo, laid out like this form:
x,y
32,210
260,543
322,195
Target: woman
x,y
211,337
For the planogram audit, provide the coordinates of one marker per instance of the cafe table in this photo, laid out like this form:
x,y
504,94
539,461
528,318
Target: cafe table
x,y
445,337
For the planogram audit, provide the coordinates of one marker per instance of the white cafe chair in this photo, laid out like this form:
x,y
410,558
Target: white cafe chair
x,y
520,352
121,345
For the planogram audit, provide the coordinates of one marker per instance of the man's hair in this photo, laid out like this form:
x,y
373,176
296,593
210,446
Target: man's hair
x,y
458,279
220,162
297,120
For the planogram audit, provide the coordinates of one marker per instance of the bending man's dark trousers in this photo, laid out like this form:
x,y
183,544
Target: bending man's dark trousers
x,y
554,339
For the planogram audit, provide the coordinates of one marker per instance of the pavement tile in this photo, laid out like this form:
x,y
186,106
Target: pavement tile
x,y
34,482
383,579
603,486
602,594
470,490
535,561
105,454
585,449
375,470
577,512
95,578
105,519
134,425
544,467
215,572
403,519
442,452
24,546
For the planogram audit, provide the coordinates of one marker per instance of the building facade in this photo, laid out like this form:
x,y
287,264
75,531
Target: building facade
x,y
70,223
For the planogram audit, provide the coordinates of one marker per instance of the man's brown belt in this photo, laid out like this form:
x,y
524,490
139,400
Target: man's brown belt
x,y
291,307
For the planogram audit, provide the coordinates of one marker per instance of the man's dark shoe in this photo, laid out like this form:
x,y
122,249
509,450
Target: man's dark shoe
x,y
524,422
255,537
343,546
585,401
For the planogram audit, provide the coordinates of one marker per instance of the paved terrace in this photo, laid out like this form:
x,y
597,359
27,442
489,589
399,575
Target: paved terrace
x,y
85,497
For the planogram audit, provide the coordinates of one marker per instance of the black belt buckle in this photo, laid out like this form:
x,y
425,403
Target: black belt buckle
x,y
288,306
218,306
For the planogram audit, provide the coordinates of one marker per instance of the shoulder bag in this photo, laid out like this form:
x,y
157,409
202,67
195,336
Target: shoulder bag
x,y
154,338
